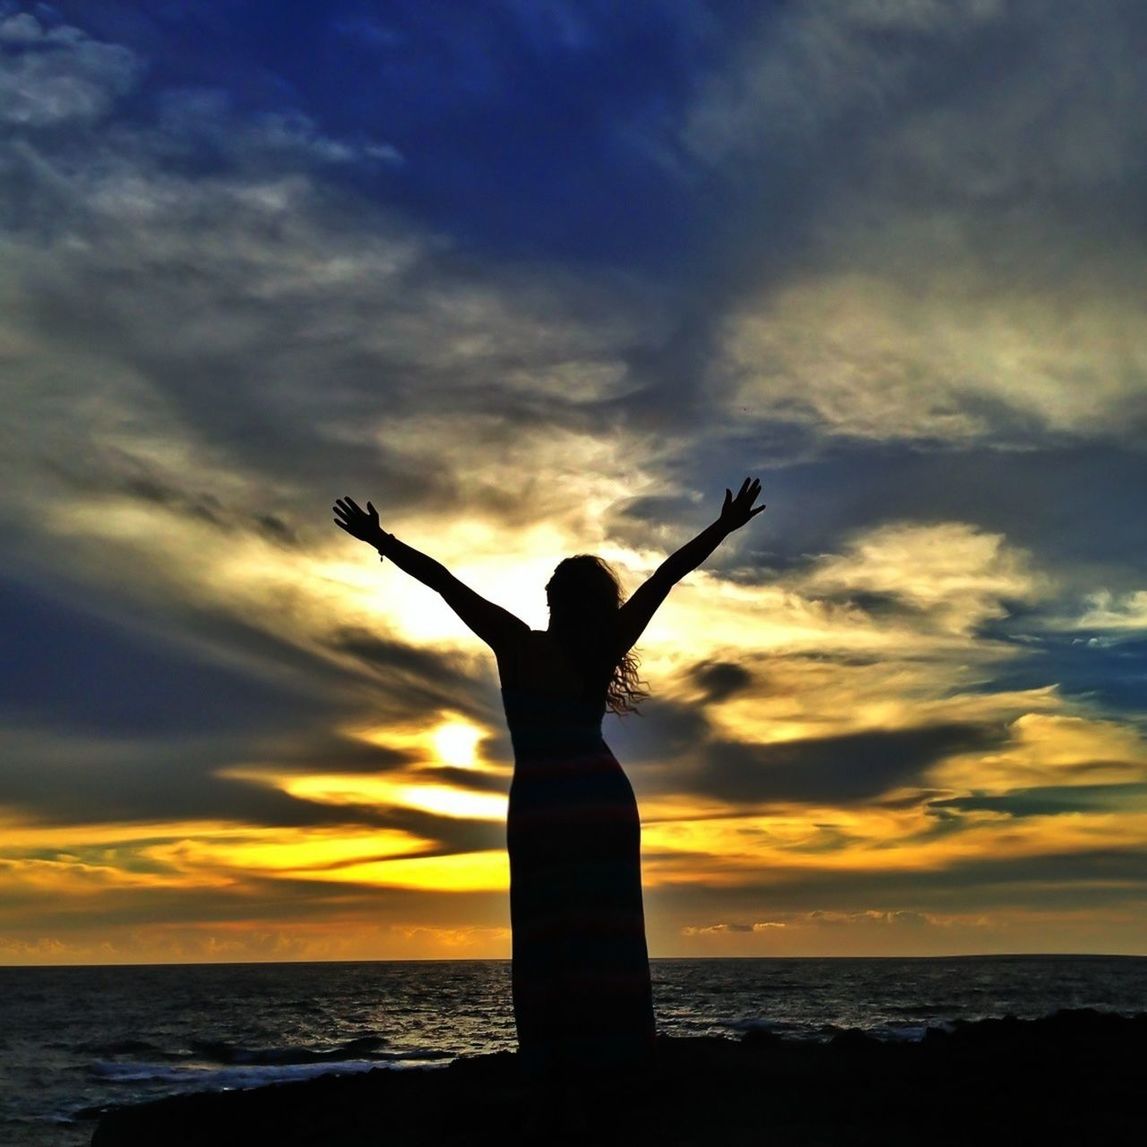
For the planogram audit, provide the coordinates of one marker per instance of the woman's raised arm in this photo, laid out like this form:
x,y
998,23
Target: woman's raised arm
x,y
493,624
636,613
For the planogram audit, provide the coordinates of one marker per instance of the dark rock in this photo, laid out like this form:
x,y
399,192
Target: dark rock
x,y
1074,1076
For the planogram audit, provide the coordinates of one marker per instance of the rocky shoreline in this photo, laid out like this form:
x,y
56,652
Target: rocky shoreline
x,y
1075,1076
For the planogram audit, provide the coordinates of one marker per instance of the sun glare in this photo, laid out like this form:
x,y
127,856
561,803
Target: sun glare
x,y
455,742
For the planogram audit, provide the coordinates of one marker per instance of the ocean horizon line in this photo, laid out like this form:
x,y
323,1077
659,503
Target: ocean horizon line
x,y
832,957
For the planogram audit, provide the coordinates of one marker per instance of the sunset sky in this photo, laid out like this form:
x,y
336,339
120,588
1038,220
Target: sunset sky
x,y
544,277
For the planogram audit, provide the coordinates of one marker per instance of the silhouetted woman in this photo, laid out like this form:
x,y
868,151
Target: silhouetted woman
x,y
582,998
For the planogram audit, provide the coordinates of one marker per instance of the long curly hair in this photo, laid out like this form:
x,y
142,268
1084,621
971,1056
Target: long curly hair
x,y
584,595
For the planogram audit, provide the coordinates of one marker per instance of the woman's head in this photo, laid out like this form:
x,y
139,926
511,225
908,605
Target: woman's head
x,y
583,590
584,595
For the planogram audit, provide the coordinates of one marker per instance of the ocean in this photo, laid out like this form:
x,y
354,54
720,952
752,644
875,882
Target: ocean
x,y
76,1038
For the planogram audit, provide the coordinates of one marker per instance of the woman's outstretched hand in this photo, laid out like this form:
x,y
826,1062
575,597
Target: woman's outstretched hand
x,y
738,510
359,523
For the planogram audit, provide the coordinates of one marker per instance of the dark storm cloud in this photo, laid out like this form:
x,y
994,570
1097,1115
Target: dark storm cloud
x,y
1070,503
447,834
720,680
80,662
1052,881
72,671
1050,800
254,899
89,783
662,733
845,770
421,680
84,782
1055,877
317,750
881,606
463,778
913,800
141,727
650,520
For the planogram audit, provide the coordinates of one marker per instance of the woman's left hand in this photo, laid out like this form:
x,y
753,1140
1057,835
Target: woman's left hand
x,y
738,510
359,523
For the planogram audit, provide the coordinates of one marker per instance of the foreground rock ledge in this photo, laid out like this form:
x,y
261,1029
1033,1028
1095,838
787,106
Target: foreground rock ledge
x,y
1074,1077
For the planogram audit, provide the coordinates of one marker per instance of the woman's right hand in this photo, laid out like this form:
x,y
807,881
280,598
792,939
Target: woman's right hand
x,y
738,510
359,523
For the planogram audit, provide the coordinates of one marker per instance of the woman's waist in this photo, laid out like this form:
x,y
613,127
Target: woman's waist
x,y
525,705
571,778
540,747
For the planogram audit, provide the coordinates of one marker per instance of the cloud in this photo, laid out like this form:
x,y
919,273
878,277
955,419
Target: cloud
x,y
940,186
75,672
989,887
203,123
59,779
294,777
1050,800
896,253
194,375
53,76
1116,614
823,65
720,680
820,918
419,680
841,770
194,350
931,358
953,573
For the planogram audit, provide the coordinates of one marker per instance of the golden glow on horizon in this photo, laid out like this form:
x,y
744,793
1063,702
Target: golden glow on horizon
x,y
388,792
457,872
299,852
755,851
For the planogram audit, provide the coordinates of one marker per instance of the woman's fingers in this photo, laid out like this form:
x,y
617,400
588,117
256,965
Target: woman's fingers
x,y
349,508
748,493
749,490
349,515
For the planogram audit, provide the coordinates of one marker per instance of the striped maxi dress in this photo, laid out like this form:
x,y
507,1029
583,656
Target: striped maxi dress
x,y
582,996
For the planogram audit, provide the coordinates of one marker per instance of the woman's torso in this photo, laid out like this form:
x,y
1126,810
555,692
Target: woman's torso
x,y
552,706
